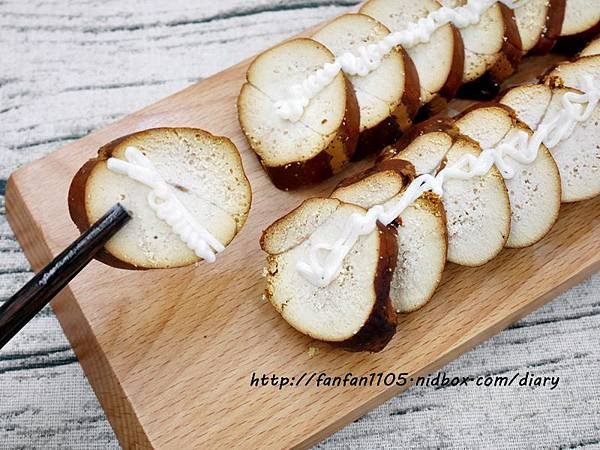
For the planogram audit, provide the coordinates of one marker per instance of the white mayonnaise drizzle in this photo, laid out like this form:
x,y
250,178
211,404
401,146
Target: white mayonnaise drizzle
x,y
369,57
325,260
166,205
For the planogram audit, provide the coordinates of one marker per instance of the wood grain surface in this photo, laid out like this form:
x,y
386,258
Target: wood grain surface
x,y
147,342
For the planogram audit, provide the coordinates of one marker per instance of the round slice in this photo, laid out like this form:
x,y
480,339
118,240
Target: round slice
x,y
421,234
578,156
439,62
354,311
534,190
203,171
297,154
539,23
492,44
388,97
477,211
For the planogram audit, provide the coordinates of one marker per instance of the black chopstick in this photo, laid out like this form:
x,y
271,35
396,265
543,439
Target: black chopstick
x,y
31,298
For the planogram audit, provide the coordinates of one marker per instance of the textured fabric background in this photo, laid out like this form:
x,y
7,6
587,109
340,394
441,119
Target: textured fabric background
x,y
69,67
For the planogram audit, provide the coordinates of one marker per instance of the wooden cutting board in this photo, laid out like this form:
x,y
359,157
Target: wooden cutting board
x,y
170,354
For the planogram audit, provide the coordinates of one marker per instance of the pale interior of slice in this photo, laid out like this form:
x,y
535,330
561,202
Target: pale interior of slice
x,y
534,190
571,74
434,59
372,190
335,312
477,212
427,151
278,141
380,92
529,102
487,126
531,22
482,41
578,156
207,177
580,16
421,237
422,251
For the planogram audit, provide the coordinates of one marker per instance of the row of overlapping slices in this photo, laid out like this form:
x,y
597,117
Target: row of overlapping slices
x,y
357,115
398,268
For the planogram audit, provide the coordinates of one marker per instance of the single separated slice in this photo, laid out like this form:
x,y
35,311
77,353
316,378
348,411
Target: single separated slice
x,y
421,234
477,209
439,62
492,48
205,173
539,23
534,190
354,311
578,156
388,97
297,154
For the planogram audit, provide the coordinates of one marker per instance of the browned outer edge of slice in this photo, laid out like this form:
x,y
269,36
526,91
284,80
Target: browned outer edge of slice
x,y
438,204
403,168
573,44
390,129
454,80
551,81
406,170
554,21
411,98
489,104
380,326
487,86
76,202
444,124
374,139
587,43
300,174
512,49
436,106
